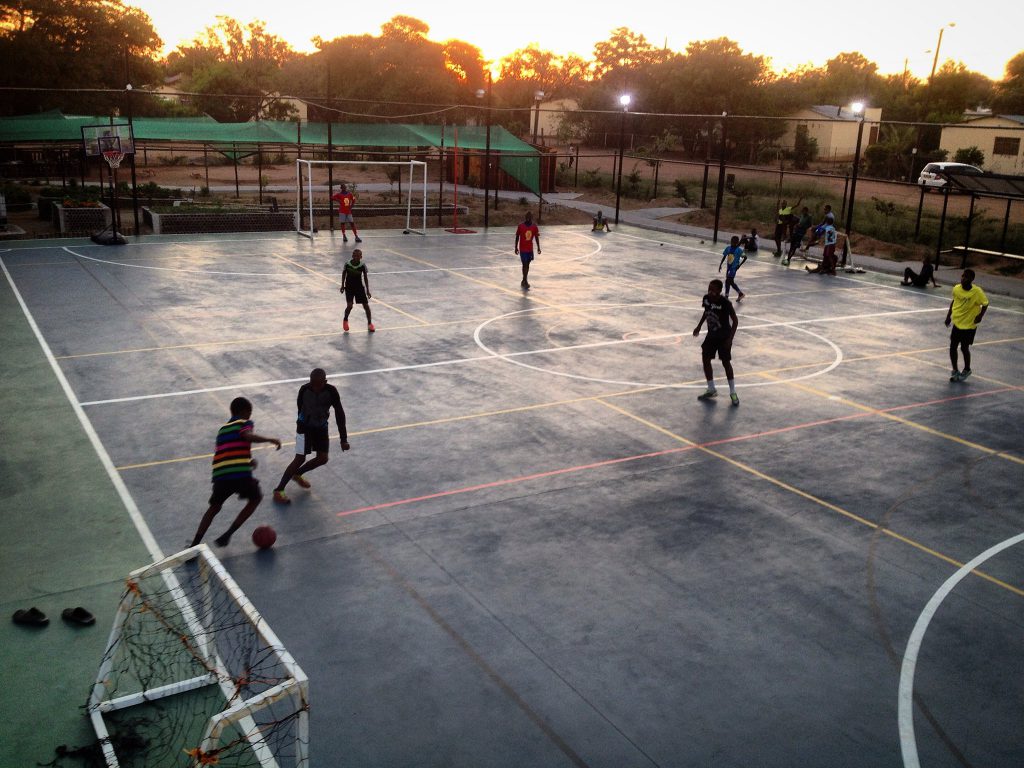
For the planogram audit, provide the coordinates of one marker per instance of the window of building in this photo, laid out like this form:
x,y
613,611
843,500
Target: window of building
x,y
1006,146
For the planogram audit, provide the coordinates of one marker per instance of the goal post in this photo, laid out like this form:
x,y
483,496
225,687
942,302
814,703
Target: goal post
x,y
192,675
308,183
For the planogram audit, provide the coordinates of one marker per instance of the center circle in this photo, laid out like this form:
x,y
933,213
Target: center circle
x,y
514,357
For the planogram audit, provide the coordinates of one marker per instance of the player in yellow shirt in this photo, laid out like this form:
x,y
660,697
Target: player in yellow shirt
x,y
965,312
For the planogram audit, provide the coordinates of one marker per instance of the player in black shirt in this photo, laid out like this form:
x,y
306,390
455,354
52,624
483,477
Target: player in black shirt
x,y
314,403
722,323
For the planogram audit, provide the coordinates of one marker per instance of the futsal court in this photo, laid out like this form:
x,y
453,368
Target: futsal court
x,y
541,549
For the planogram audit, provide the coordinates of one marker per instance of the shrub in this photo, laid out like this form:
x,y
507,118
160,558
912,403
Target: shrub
x,y
592,178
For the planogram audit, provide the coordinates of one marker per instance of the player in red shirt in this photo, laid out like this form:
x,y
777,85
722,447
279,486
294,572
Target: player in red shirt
x,y
345,201
526,235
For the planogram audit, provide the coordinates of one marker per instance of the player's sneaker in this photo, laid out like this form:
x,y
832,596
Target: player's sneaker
x,y
735,398
344,238
965,373
359,239
301,481
370,328
280,497
954,376
741,297
344,325
709,395
785,262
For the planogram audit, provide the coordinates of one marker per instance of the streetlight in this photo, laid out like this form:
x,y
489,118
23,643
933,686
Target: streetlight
x,y
624,100
538,97
858,109
928,96
938,45
487,150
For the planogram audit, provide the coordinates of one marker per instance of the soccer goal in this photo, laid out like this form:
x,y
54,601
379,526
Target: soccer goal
x,y
312,191
193,676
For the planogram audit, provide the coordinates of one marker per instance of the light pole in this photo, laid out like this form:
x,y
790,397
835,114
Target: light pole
x,y
624,100
538,97
858,109
487,147
928,95
938,45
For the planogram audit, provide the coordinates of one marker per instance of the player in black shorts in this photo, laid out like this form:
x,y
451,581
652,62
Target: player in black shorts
x,y
722,324
315,400
353,279
232,470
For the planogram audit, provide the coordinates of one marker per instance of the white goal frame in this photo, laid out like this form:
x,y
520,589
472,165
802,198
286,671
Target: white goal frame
x,y
241,712
304,191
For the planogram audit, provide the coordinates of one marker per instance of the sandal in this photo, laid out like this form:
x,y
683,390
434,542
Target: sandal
x,y
32,617
78,616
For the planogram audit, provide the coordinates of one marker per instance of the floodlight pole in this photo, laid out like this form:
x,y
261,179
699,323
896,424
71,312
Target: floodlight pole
x,y
487,152
624,101
131,131
858,108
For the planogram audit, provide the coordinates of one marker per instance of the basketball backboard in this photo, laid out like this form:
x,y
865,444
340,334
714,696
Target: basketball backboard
x,y
108,136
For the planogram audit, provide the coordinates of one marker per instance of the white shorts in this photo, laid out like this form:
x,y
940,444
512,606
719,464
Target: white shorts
x,y
345,218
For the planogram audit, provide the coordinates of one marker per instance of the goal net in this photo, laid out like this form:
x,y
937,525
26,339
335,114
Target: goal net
x,y
313,190
193,676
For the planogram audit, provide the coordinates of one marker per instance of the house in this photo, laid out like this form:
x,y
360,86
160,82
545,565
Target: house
x,y
547,117
834,129
999,137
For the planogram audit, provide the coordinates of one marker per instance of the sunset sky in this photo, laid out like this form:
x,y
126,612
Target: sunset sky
x,y
887,33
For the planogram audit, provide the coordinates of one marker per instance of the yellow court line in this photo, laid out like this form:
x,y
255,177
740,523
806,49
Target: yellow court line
x,y
554,403
906,422
811,497
412,425
330,279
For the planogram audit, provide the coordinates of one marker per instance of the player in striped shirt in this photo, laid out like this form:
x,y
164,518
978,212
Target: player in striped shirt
x,y
232,470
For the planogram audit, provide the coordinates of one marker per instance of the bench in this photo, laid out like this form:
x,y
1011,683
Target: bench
x,y
964,250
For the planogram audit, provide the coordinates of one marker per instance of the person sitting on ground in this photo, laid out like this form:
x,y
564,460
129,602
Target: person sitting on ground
x,y
600,223
910,277
750,242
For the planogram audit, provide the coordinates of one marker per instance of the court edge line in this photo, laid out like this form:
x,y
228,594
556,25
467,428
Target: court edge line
x,y
122,490
905,696
817,500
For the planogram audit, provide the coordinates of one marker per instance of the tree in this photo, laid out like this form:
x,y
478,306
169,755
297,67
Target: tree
x,y
1009,92
74,44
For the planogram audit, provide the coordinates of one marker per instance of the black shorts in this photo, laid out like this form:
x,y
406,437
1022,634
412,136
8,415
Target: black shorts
x,y
245,487
717,345
313,440
356,293
962,335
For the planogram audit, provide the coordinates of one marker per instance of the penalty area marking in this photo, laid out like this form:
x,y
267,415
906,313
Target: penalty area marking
x,y
908,741
511,356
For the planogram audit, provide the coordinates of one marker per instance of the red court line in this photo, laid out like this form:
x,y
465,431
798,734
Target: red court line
x,y
655,454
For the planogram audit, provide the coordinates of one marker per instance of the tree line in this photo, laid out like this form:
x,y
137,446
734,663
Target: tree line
x,y
80,53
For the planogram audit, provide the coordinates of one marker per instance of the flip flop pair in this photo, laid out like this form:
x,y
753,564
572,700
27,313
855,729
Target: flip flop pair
x,y
33,617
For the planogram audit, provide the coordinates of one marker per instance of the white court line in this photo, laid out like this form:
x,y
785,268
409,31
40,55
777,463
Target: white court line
x,y
908,741
277,275
491,356
115,478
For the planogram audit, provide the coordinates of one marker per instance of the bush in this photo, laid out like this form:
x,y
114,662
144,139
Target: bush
x,y
680,189
15,194
592,178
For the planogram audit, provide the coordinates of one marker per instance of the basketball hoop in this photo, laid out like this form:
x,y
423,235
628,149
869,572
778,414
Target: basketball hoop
x,y
113,157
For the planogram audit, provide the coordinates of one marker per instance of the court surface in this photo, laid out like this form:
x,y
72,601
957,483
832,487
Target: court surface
x,y
541,549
